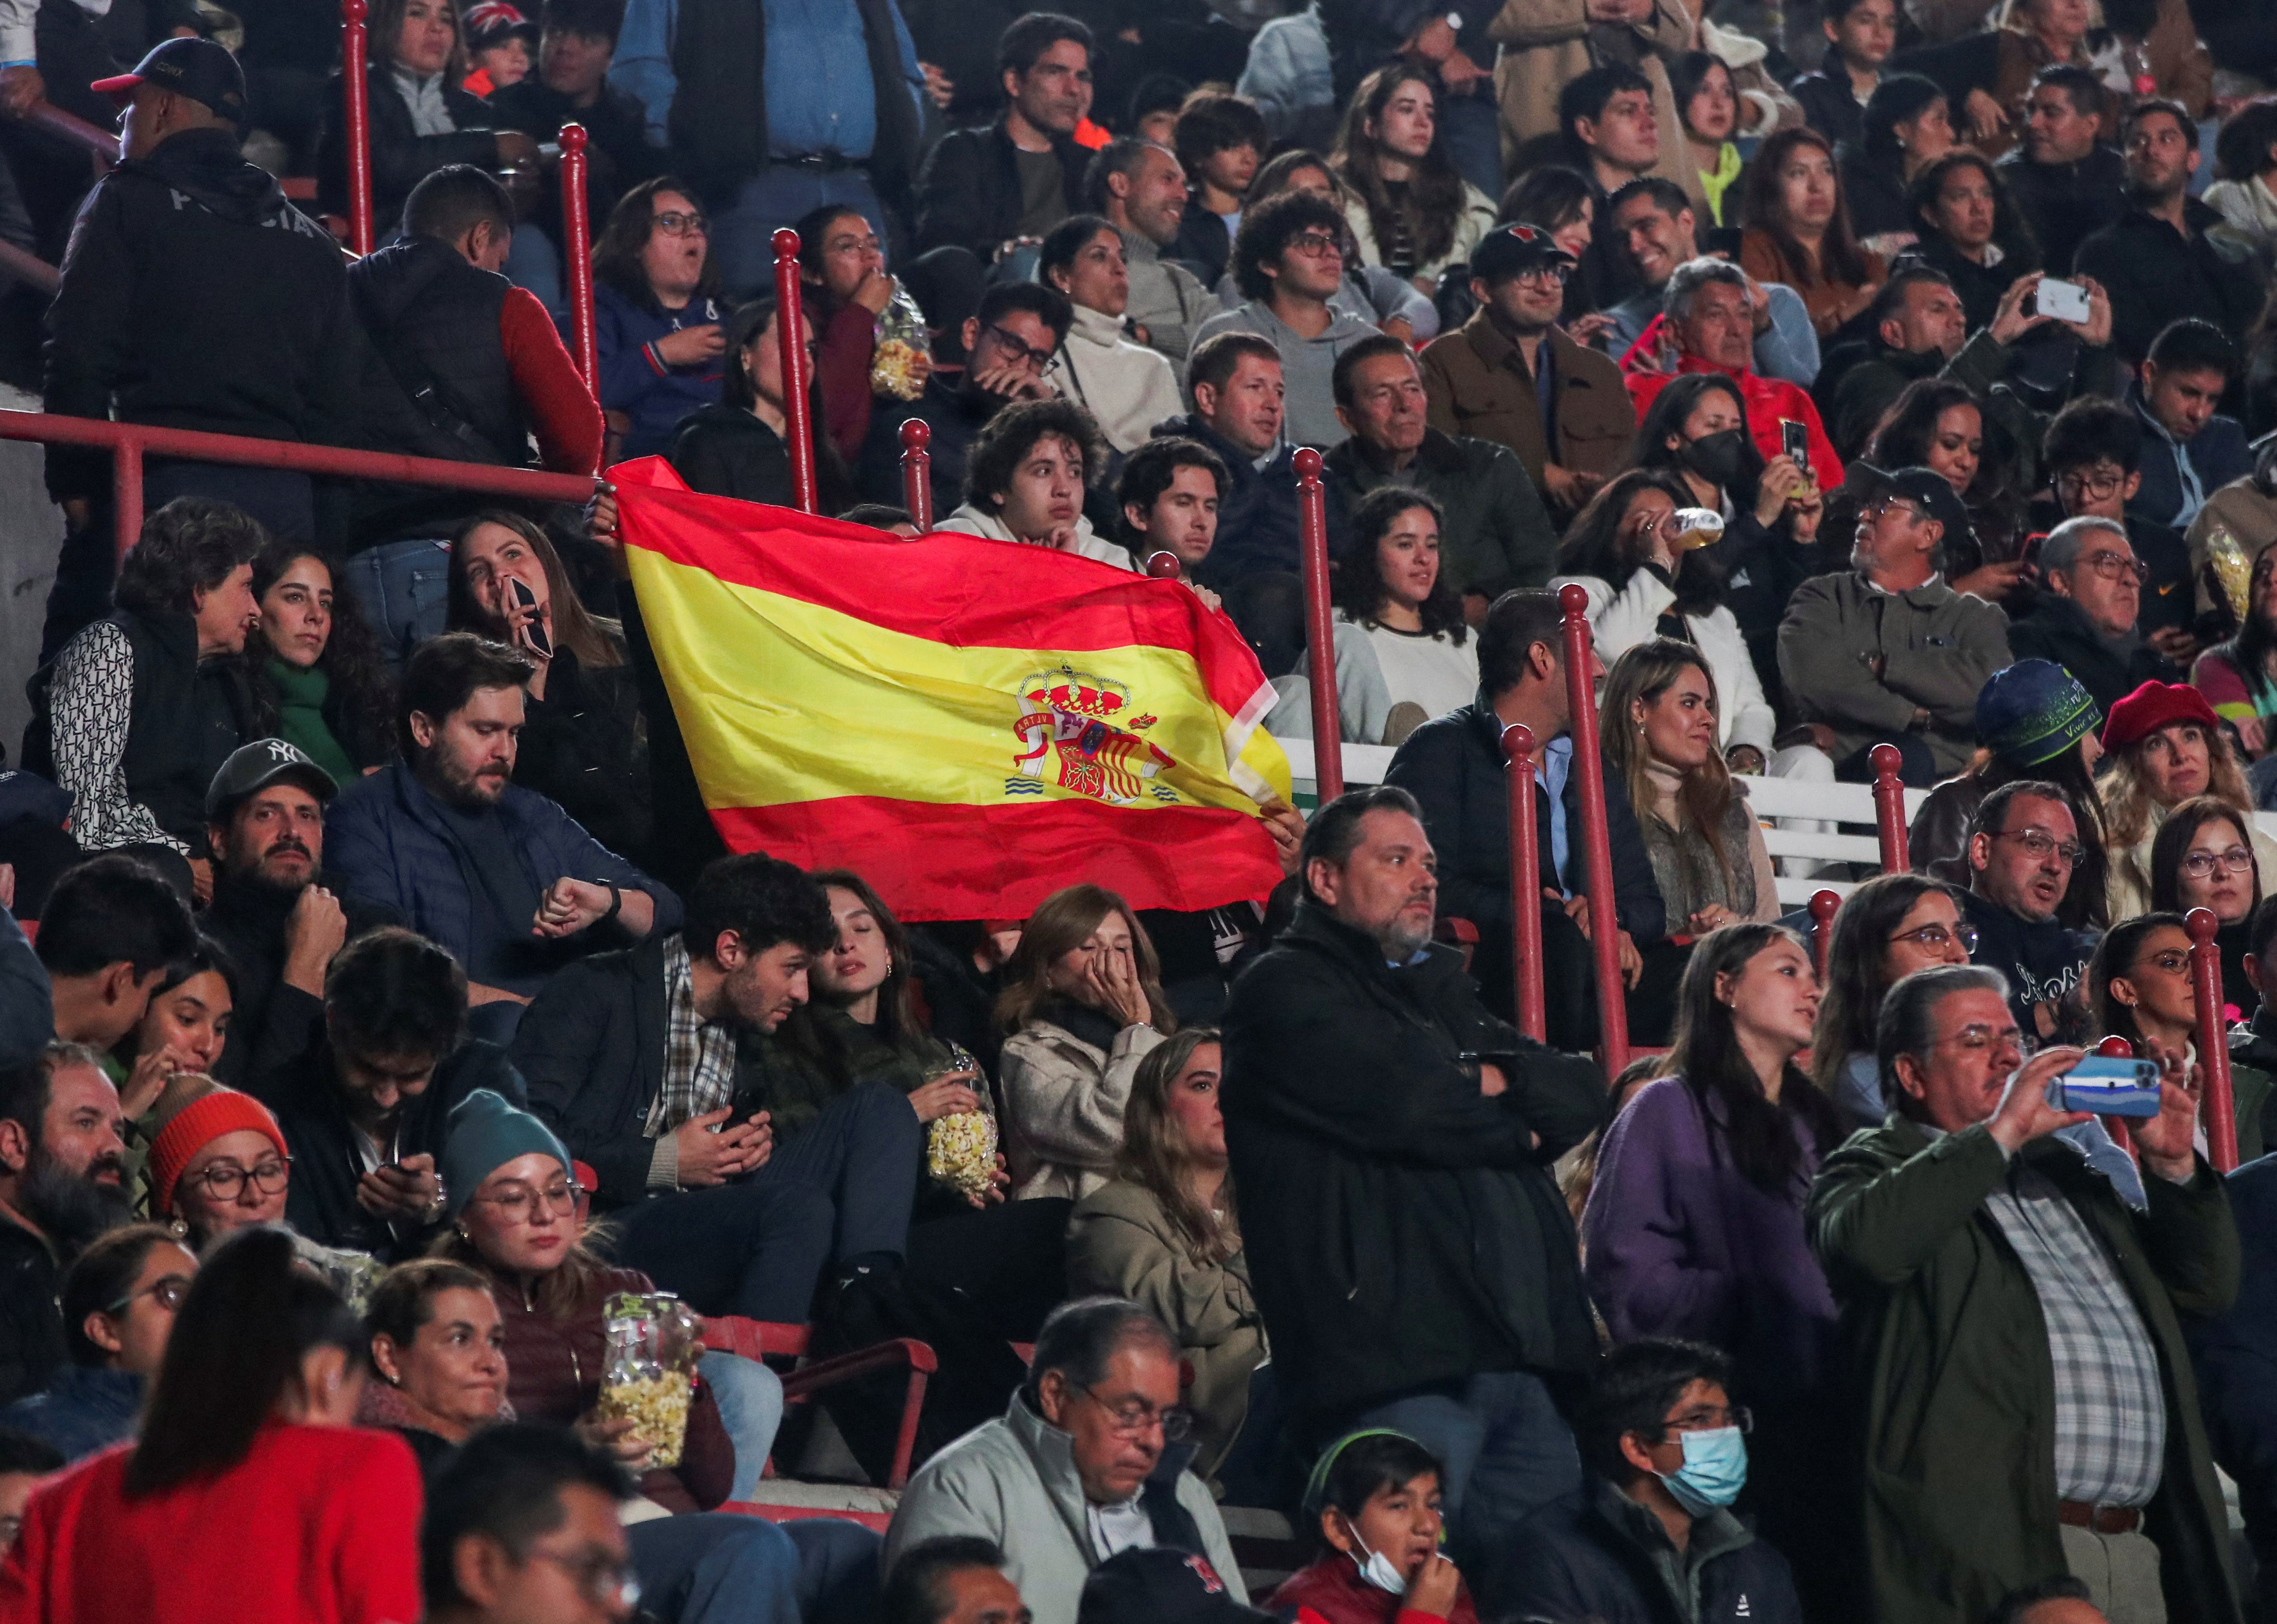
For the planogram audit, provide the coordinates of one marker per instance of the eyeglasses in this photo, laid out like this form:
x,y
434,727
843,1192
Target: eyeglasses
x,y
1315,244
599,1578
167,1291
1882,505
521,1202
2170,961
225,1180
1545,276
1936,938
673,222
2200,864
2041,846
2118,567
1708,1417
1132,1419
1978,1040
2099,487
1026,354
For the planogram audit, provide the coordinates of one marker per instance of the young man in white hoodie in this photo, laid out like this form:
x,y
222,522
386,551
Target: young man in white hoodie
x,y
1024,478
1126,387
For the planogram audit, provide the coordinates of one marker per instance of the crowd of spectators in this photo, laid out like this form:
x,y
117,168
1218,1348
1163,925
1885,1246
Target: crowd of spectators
x,y
380,1010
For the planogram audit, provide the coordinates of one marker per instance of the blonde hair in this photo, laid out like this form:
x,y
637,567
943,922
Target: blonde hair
x,y
1061,924
2130,810
1154,1156
1640,676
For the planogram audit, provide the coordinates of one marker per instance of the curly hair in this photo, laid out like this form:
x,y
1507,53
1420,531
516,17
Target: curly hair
x,y
1361,589
1006,439
352,659
190,545
1431,201
1268,229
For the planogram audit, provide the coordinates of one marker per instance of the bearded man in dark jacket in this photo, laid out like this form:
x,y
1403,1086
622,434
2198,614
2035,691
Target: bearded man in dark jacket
x,y
1392,1141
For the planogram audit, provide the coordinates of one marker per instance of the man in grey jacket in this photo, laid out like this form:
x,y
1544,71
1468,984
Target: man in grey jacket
x,y
1887,652
1141,190
1089,1461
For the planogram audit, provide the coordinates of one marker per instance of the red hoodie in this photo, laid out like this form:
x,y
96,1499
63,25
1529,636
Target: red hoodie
x,y
1331,1591
1767,400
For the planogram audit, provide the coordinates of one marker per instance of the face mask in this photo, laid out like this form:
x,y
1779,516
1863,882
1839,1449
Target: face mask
x,y
1378,1569
1714,1471
1716,456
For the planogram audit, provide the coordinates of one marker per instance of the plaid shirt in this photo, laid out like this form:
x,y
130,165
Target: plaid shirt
x,y
2111,1412
699,1055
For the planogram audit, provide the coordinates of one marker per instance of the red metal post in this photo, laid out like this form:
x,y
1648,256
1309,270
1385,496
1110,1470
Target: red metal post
x,y
1824,906
2117,1047
917,472
126,493
1525,886
2215,1104
1596,831
1163,566
1319,630
790,332
1889,807
576,250
356,88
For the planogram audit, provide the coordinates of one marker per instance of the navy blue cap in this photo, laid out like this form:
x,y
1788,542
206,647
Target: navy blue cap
x,y
198,68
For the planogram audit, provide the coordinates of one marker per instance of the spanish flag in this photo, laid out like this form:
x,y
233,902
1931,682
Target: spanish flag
x,y
970,724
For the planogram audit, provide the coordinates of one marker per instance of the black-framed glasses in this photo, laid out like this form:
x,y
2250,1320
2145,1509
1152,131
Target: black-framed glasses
x,y
2096,487
167,1291
1135,1416
2118,567
599,1577
1316,244
224,1181
2201,865
2042,845
1546,276
1936,938
683,223
1026,354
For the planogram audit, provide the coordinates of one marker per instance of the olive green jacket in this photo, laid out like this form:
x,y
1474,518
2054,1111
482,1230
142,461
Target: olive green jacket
x,y
1956,1387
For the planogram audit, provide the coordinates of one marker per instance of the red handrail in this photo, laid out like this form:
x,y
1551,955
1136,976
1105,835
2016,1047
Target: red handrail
x,y
1597,832
1890,805
1527,1000
1320,632
2117,1047
100,143
129,442
917,472
2218,1106
356,93
1824,906
576,250
790,335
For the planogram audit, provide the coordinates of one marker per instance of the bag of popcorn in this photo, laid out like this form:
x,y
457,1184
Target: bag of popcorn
x,y
902,344
654,1342
961,1150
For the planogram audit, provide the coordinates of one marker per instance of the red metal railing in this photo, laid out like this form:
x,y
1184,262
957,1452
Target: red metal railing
x,y
1525,886
1595,832
2216,1104
791,336
2116,1048
1889,807
916,473
1319,633
356,90
576,251
1824,906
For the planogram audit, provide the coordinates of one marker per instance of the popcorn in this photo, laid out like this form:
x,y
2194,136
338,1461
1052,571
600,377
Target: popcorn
x,y
654,1342
961,1151
2231,570
894,370
657,1407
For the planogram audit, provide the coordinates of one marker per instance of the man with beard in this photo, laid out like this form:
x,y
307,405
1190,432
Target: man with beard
x,y
651,1065
2159,261
1007,343
63,1160
266,814
502,877
110,928
1142,191
2024,845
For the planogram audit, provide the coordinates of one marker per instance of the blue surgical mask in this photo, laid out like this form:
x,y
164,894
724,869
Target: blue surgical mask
x,y
1715,1470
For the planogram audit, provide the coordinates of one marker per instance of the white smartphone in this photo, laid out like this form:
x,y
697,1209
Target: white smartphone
x,y
2066,301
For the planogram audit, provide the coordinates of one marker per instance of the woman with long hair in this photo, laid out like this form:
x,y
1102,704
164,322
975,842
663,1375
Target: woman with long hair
x,y
1415,213
1907,128
656,314
1082,1007
2239,677
583,742
1972,231
1626,550
2202,857
1164,1233
738,446
1938,423
2035,721
234,1505
1886,929
1709,109
2167,748
1799,231
1694,1227
319,679
1367,292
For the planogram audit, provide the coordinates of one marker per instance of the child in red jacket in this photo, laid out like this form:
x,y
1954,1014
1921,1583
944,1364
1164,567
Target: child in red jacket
x,y
1376,1497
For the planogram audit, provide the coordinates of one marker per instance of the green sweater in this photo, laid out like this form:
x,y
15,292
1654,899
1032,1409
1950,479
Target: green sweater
x,y
300,696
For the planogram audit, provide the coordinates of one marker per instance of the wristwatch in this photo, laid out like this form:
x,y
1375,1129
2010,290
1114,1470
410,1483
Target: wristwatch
x,y
616,901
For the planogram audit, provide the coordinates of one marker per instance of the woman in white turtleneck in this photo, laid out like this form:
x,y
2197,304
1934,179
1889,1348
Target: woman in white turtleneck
x,y
1126,387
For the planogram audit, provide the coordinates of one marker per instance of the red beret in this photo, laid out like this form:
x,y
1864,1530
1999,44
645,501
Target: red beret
x,y
2153,706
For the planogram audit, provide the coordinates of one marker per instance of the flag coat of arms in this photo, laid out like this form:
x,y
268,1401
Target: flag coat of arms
x,y
971,724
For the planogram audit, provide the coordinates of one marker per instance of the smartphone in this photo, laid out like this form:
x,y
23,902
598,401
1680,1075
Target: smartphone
x,y
2108,1086
533,630
1795,440
2066,302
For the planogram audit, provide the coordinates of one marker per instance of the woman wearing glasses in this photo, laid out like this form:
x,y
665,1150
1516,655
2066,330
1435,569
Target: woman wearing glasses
x,y
1694,1227
2168,748
657,315
118,1301
1889,927
2204,858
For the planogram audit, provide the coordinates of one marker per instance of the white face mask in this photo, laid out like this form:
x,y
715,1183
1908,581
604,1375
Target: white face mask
x,y
1378,1569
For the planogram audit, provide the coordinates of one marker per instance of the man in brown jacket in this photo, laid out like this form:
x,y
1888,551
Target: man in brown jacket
x,y
1886,652
1511,375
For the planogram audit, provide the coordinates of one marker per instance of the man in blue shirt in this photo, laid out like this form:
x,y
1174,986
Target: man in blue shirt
x,y
771,108
2190,450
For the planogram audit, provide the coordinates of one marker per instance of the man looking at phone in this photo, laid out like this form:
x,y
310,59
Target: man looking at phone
x,y
1959,1242
651,1065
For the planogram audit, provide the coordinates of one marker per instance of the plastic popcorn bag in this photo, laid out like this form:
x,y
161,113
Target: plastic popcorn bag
x,y
961,1150
902,346
2231,570
654,1342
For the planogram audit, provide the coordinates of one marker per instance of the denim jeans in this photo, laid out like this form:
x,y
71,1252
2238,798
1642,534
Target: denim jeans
x,y
1507,1451
751,1400
404,587
743,234
533,263
716,1568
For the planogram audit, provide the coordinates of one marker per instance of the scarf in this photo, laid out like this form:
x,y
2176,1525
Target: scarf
x,y
301,697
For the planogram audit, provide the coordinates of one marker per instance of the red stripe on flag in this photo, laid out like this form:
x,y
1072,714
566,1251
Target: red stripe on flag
x,y
932,862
